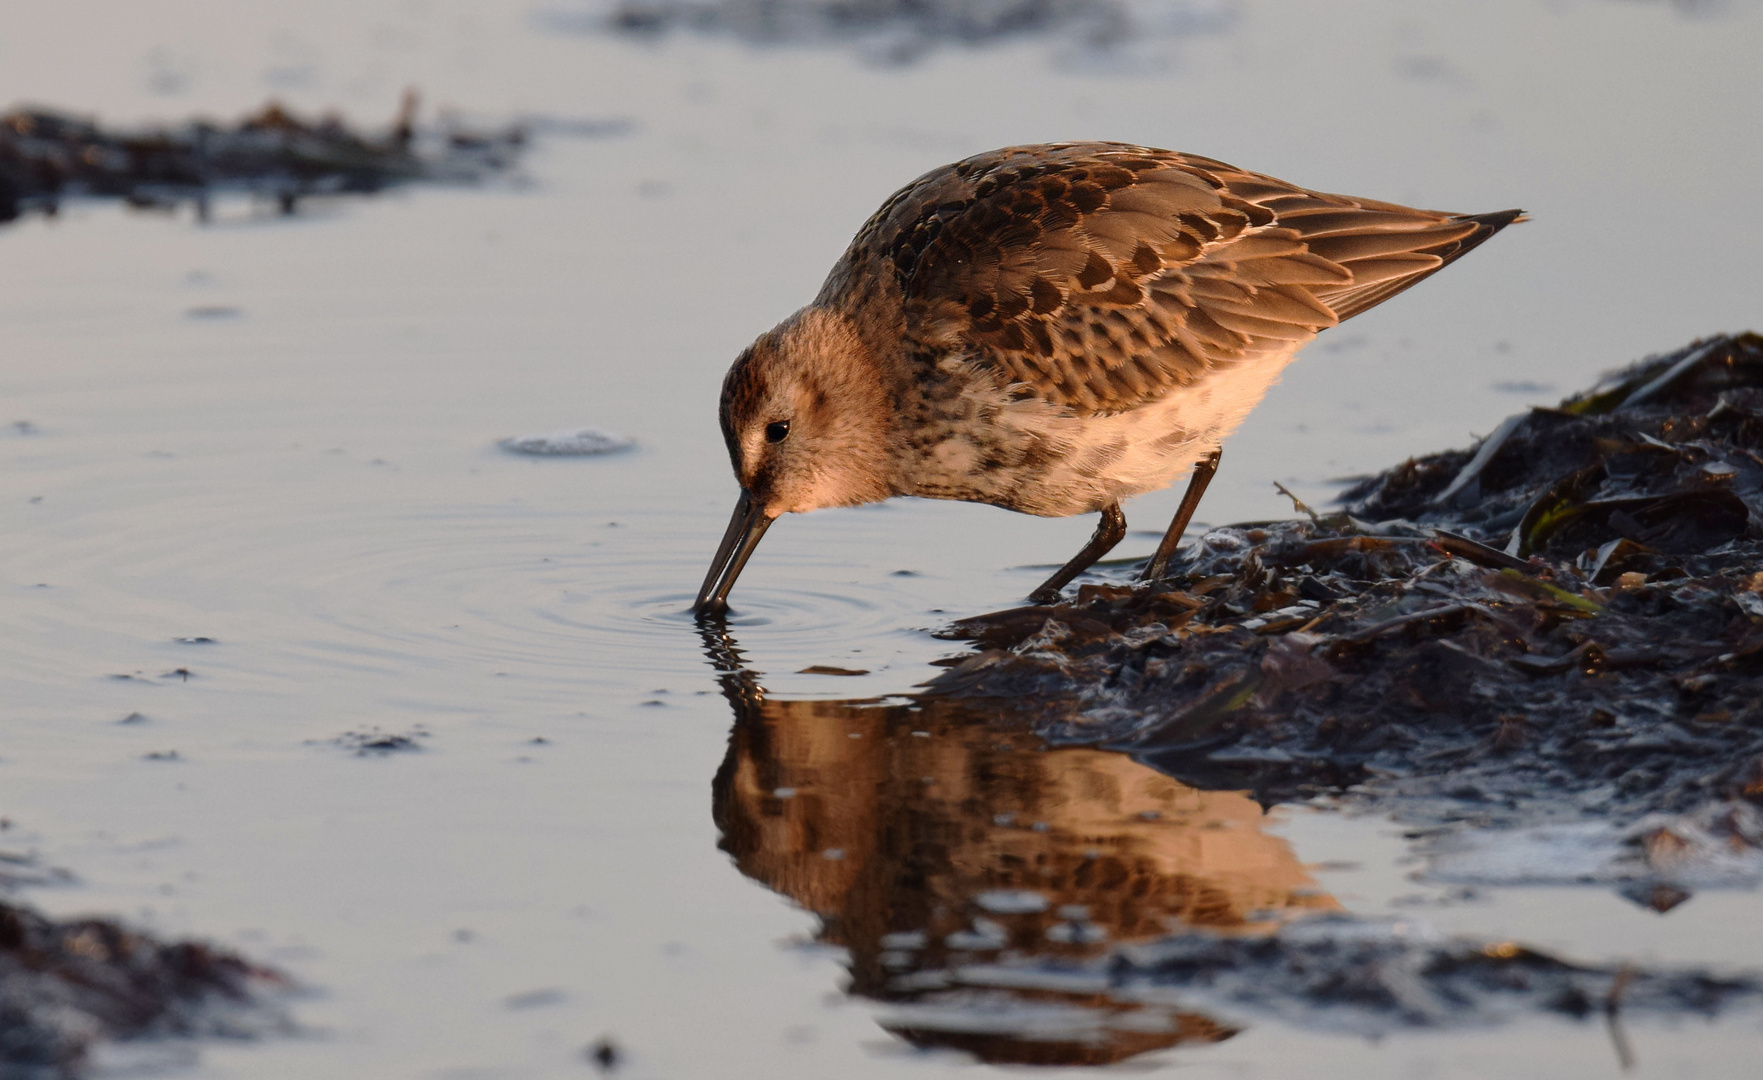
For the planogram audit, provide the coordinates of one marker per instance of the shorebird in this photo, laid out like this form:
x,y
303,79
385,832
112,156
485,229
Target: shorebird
x,y
1053,329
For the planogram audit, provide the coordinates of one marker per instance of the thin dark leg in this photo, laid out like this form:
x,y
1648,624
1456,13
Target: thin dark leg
x,y
1109,532
1203,470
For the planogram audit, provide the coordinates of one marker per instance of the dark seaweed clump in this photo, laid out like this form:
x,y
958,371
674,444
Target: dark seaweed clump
x,y
376,743
47,157
1566,617
67,985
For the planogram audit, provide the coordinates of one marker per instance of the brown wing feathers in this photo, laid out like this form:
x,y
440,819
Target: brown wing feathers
x,y
1376,278
1097,276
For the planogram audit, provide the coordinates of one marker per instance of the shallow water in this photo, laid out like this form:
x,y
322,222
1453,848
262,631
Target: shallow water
x,y
280,434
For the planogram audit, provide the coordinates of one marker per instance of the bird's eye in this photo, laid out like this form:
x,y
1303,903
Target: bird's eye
x,y
777,431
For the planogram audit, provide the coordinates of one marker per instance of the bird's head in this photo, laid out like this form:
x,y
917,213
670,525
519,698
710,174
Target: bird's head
x,y
807,419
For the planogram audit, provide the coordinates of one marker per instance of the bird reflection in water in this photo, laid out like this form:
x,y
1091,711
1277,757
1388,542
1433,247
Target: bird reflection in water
x,y
980,880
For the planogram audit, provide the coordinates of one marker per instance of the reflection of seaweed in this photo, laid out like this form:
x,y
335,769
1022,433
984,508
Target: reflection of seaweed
x,y
1363,974
1073,906
1568,619
902,30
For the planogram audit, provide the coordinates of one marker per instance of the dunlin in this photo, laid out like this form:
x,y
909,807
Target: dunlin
x,y
1053,329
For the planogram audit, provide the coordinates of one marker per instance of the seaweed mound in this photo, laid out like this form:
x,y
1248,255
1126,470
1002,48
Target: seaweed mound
x,y
1564,621
66,986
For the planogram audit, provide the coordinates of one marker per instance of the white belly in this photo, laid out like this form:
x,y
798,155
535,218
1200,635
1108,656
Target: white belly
x,y
1109,458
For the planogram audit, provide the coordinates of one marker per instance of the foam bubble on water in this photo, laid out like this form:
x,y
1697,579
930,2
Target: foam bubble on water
x,y
581,442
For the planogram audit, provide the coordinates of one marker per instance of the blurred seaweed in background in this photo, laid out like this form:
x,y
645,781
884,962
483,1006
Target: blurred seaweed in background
x,y
902,31
47,157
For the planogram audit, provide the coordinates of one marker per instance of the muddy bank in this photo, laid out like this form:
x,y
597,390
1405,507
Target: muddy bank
x,y
47,157
1563,622
67,987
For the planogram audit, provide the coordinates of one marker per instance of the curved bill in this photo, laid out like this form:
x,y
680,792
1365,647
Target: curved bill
x,y
744,530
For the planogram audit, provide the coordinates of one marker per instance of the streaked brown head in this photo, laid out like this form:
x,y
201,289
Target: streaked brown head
x,y
807,421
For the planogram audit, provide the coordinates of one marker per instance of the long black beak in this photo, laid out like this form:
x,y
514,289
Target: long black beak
x,y
744,530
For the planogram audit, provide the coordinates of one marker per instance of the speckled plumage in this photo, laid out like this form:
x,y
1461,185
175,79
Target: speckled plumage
x,y
1054,328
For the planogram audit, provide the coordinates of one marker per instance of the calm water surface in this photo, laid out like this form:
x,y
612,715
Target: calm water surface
x,y
280,435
